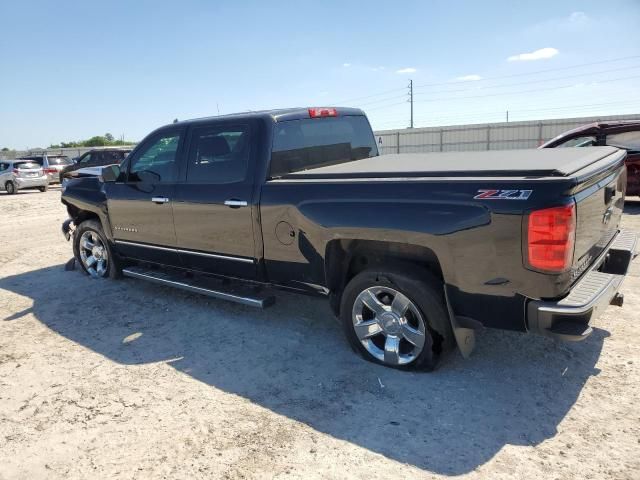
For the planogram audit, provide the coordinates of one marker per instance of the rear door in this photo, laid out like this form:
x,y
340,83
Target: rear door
x,y
214,203
140,203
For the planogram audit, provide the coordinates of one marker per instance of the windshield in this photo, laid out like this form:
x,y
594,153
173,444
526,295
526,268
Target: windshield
x,y
317,142
59,161
584,141
626,140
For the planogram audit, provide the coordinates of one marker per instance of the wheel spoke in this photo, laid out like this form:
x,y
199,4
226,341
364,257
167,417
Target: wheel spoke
x,y
413,336
100,268
90,261
400,304
86,244
392,350
367,329
372,302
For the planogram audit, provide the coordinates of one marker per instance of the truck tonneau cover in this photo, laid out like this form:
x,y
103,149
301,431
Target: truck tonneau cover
x,y
502,163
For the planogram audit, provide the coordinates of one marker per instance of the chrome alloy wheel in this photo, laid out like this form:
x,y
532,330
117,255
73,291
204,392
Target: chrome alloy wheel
x,y
388,325
93,254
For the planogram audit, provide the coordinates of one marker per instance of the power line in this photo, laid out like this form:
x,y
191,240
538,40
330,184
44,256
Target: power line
x,y
522,91
386,106
382,100
530,73
543,80
369,96
513,112
386,92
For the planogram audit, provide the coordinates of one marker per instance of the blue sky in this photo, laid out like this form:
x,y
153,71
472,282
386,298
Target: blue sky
x,y
74,69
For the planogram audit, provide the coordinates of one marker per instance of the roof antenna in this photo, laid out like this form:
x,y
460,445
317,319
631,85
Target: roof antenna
x,y
175,120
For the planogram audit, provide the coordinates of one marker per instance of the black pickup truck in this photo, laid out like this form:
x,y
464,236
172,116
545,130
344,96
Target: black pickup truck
x,y
414,251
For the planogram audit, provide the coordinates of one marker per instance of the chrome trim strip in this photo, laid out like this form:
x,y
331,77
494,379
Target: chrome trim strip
x,y
154,247
214,255
191,252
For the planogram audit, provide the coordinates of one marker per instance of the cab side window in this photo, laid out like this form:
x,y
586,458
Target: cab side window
x,y
156,161
219,154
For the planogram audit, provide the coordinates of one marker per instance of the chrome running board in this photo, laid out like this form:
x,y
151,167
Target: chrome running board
x,y
203,285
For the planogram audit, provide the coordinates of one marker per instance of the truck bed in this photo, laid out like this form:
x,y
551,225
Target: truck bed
x,y
561,162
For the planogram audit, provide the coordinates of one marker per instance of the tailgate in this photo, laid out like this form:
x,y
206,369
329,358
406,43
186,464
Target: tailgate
x,y
600,202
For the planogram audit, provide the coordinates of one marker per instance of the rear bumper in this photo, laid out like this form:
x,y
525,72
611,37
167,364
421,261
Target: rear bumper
x,y
569,318
34,182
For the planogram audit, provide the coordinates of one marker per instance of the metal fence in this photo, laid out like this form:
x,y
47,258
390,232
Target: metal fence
x,y
487,136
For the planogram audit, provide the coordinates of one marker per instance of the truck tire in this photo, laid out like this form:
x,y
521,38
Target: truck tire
x,y
93,251
10,188
397,317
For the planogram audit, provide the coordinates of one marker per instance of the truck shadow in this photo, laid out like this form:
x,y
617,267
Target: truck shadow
x,y
632,207
292,359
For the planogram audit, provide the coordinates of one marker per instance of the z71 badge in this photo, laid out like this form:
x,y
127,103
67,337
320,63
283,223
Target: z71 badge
x,y
503,194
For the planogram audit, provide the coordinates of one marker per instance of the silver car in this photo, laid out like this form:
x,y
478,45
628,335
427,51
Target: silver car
x,y
52,164
22,174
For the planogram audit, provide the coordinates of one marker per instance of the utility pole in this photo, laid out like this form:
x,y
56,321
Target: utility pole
x,y
411,101
507,116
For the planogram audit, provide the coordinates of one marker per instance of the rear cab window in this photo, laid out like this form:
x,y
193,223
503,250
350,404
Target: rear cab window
x,y
318,142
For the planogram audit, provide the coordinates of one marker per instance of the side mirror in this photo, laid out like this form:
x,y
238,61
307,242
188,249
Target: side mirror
x,y
110,173
148,177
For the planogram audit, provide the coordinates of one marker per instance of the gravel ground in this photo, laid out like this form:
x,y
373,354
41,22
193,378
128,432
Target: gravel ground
x,y
123,379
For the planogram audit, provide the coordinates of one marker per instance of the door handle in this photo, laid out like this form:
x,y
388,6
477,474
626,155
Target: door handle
x,y
234,203
159,200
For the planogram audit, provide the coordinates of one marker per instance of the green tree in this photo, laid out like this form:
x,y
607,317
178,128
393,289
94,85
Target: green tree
x,y
5,149
109,137
97,141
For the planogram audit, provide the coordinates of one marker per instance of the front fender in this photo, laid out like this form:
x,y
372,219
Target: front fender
x,y
85,198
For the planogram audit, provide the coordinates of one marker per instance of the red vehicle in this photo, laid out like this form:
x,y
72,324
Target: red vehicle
x,y
621,134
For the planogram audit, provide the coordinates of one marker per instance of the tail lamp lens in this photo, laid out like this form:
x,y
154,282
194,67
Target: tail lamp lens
x,y
322,112
551,238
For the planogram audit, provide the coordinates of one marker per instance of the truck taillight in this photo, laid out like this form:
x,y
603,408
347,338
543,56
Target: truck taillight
x,y
50,170
551,237
322,112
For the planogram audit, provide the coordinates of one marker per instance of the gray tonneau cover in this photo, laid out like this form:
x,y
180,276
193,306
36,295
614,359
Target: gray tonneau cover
x,y
523,163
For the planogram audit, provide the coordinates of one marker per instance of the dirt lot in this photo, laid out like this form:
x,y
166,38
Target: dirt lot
x,y
129,380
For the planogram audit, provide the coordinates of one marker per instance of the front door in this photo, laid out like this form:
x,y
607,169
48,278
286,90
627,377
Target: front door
x,y
140,202
213,207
